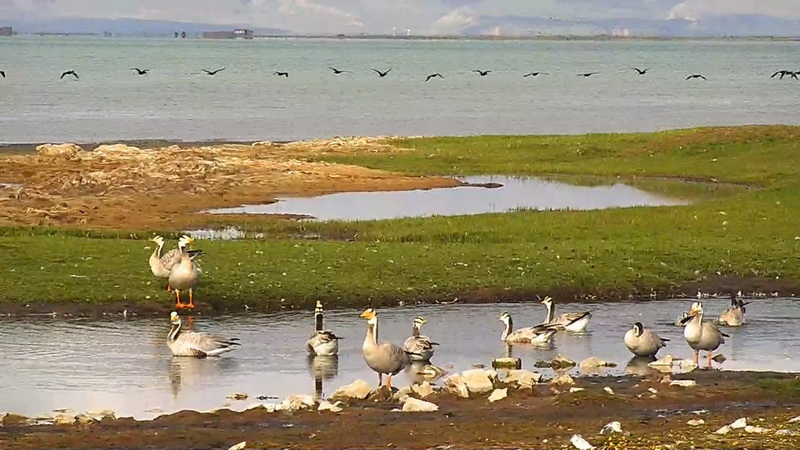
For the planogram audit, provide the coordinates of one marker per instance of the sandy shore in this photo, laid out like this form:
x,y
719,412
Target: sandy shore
x,y
652,414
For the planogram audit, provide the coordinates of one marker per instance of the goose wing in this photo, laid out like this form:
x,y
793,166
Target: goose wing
x,y
202,344
418,344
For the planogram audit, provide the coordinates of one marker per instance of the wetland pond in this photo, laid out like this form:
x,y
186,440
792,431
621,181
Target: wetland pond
x,y
480,194
125,365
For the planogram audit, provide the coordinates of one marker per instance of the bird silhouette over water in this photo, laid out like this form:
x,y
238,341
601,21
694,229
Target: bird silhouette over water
x,y
213,72
784,73
697,75
140,71
482,73
640,71
2,73
381,74
337,71
534,74
281,74
70,72
587,74
434,75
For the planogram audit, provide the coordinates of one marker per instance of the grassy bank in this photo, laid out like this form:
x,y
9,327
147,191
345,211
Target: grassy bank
x,y
743,226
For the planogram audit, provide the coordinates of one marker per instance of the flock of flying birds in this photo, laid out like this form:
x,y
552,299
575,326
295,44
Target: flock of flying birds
x,y
383,73
387,358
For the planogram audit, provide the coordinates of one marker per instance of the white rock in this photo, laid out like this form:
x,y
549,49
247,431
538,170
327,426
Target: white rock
x,y
785,432
297,402
479,381
522,379
402,393
84,419
562,361
414,405
358,390
686,364
663,361
423,389
498,394
239,446
612,427
739,423
66,151
100,414
576,389
2,417
652,390
756,430
795,419
115,148
563,379
64,419
683,383
592,363
580,443
328,406
695,422
608,390
455,385
724,430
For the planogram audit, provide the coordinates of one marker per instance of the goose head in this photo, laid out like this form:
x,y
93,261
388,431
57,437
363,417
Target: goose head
x,y
419,321
318,308
174,318
370,315
697,309
184,241
548,301
638,329
505,318
158,240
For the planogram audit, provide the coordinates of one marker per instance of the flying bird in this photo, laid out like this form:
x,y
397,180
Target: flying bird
x,y
784,73
483,73
534,74
140,71
432,76
281,74
213,72
640,71
70,72
697,75
382,74
337,71
587,74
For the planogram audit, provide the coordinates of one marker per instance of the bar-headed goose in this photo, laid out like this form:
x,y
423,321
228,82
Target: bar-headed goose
x,y
322,342
161,264
189,343
701,335
734,315
419,347
184,275
540,334
382,357
574,321
642,342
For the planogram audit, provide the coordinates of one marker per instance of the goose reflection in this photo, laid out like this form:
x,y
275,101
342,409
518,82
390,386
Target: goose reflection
x,y
322,368
420,371
639,366
192,372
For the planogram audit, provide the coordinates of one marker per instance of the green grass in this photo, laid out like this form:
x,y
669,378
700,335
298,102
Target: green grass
x,y
784,389
740,231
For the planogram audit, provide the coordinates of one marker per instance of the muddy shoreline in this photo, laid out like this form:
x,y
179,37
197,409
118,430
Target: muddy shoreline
x,y
650,412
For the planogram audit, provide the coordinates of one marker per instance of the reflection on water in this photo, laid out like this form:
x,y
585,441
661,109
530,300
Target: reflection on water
x,y
515,193
126,366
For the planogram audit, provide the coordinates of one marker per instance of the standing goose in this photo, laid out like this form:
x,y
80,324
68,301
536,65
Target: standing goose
x,y
701,335
643,342
540,334
734,315
199,345
161,265
382,357
420,348
574,322
184,275
322,342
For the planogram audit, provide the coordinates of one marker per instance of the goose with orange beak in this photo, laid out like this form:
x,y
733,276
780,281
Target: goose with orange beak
x,y
184,276
382,357
701,335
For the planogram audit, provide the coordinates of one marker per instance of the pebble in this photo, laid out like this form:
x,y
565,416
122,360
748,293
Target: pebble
x,y
652,391
796,419
239,446
695,422
609,390
580,443
576,389
328,406
564,378
612,427
498,394
739,423
413,405
724,430
683,383
756,430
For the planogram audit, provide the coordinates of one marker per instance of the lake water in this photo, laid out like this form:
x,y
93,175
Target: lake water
x,y
514,193
246,102
125,365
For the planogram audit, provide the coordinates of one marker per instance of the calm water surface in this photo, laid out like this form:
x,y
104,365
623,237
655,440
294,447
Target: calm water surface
x,y
126,366
515,193
246,102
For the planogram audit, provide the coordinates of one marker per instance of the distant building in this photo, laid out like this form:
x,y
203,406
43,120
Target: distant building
x,y
6,31
239,33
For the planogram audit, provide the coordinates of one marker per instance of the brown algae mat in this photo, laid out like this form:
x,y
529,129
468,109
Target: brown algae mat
x,y
119,185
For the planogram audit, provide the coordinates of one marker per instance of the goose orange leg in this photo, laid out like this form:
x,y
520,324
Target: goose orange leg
x,y
191,299
389,382
178,303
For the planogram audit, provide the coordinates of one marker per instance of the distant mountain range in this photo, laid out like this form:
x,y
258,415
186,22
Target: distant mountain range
x,y
730,25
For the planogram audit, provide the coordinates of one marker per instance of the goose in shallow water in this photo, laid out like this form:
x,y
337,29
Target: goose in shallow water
x,y
643,342
382,357
734,315
701,335
540,334
184,275
574,321
322,342
161,265
189,343
420,347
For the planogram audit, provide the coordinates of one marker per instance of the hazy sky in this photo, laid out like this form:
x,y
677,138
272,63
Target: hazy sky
x,y
422,16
